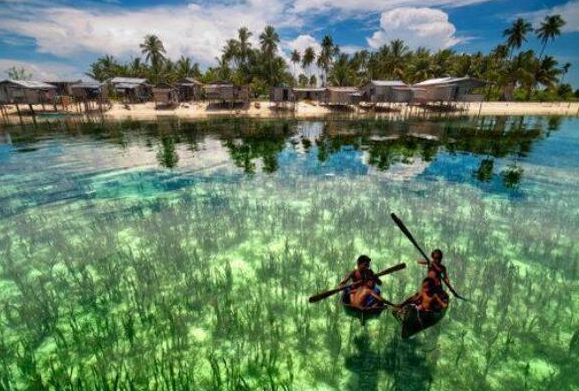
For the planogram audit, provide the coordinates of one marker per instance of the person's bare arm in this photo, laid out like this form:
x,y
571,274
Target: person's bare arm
x,y
346,279
380,298
440,302
422,262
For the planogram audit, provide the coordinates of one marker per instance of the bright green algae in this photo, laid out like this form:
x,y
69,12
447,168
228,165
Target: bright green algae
x,y
180,255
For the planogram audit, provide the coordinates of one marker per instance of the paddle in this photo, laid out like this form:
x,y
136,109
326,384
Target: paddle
x,y
406,232
322,295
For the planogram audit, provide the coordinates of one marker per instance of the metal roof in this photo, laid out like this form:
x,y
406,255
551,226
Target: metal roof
x,y
343,89
128,80
128,86
388,83
306,89
87,84
38,85
445,80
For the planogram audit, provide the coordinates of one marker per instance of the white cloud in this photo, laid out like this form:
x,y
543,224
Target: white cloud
x,y
356,6
42,70
426,27
569,12
302,42
194,30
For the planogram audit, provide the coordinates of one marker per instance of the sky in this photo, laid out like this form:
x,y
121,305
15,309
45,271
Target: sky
x,y
58,39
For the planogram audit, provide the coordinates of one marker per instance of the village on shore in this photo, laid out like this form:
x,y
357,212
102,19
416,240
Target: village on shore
x,y
257,81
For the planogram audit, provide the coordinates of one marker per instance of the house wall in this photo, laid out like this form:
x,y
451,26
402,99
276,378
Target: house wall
x,y
338,97
315,96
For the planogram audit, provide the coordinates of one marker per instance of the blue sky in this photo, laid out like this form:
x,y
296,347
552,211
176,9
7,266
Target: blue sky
x,y
59,38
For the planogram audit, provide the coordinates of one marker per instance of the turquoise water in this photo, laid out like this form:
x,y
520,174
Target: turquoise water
x,y
178,255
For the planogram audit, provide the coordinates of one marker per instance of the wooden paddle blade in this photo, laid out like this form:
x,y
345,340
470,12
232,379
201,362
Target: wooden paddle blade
x,y
323,295
392,269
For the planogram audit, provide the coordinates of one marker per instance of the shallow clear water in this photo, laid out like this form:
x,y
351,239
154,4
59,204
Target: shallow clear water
x,y
179,255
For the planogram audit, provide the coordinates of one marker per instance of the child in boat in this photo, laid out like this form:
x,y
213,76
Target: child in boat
x,y
437,271
365,297
361,273
429,298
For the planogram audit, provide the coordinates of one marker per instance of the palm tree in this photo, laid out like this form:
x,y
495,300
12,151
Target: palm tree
x,y
547,72
308,58
243,35
342,73
136,68
186,68
421,69
325,56
517,34
268,40
154,51
104,68
564,70
549,30
230,51
295,59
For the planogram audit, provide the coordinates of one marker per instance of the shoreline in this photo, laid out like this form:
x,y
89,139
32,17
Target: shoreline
x,y
305,110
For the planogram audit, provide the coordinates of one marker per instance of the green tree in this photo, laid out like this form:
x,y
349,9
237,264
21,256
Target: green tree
x,y
325,57
517,34
154,52
295,59
18,73
549,30
308,59
244,46
186,68
342,73
104,68
269,40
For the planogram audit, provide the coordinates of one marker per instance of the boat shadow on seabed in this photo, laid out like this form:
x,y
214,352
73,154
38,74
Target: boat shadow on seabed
x,y
405,364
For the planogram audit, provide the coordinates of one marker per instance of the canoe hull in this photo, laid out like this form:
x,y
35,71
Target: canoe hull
x,y
414,322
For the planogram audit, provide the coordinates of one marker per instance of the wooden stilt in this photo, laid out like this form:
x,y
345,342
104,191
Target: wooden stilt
x,y
33,113
19,114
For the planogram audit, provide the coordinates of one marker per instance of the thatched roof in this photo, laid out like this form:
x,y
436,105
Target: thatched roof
x,y
189,81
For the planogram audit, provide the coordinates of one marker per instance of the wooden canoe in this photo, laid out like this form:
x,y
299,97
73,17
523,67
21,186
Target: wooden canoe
x,y
414,322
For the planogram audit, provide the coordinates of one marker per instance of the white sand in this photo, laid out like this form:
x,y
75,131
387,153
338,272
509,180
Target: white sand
x,y
307,109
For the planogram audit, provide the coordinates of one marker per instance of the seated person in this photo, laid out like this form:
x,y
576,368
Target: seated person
x,y
364,296
429,297
360,274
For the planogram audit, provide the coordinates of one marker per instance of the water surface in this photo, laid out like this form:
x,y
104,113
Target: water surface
x,y
178,255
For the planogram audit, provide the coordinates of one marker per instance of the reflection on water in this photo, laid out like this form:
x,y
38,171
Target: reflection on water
x,y
179,255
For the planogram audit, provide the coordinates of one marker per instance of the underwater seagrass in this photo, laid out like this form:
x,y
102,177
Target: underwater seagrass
x,y
179,255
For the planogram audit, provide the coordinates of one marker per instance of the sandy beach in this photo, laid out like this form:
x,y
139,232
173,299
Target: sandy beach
x,y
264,109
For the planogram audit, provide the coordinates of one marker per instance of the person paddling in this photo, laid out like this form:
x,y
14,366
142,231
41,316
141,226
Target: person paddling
x,y
437,271
360,274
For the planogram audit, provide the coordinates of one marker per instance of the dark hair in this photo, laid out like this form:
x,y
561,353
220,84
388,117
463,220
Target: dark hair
x,y
429,281
438,252
363,259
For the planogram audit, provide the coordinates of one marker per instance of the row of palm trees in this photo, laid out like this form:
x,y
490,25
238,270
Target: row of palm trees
x,y
509,67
